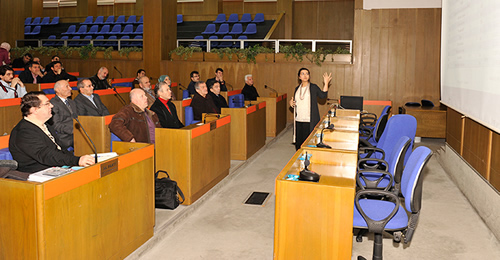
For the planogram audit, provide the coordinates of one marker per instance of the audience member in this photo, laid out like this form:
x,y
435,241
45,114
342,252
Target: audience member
x,y
195,77
135,122
140,73
31,74
146,86
202,102
100,80
57,73
34,144
11,87
21,62
249,91
4,53
47,67
219,77
164,108
218,99
166,79
88,103
64,111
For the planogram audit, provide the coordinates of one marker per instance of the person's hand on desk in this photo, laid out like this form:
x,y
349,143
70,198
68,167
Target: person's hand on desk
x,y
86,160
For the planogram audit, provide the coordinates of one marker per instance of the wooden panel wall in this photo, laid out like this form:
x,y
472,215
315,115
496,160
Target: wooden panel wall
x,y
477,146
12,15
88,68
495,161
454,129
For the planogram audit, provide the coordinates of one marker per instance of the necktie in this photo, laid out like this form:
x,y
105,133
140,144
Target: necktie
x,y
67,104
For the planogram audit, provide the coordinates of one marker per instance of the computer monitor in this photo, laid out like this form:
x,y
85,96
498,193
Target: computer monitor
x,y
351,102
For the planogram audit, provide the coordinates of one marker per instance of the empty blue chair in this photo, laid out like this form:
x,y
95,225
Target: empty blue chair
x,y
221,18
61,43
141,20
120,19
213,44
185,94
246,18
223,29
139,29
226,44
136,43
71,30
111,43
93,29
114,138
251,29
124,43
36,30
259,18
27,21
74,43
117,29
210,29
27,30
198,44
55,21
87,42
131,19
45,21
236,29
104,29
99,20
110,20
50,43
99,43
233,18
180,18
88,20
236,101
188,116
129,29
237,44
372,134
36,21
81,30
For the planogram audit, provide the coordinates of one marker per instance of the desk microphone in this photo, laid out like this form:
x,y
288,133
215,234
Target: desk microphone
x,y
121,75
211,115
272,89
321,144
334,111
181,86
306,174
85,132
118,94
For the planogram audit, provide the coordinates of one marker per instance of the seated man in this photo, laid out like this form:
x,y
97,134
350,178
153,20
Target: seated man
x,y
21,62
145,85
135,122
140,73
195,77
47,67
202,102
219,77
10,87
249,91
100,80
57,73
88,103
64,111
31,74
164,108
34,144
218,99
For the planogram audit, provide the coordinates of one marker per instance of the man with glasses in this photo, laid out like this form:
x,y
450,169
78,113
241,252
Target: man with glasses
x,y
10,87
33,143
87,102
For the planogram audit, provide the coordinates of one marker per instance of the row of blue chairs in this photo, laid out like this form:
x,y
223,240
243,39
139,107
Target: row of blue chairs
x,y
111,20
36,30
215,44
94,29
97,43
245,18
40,21
235,30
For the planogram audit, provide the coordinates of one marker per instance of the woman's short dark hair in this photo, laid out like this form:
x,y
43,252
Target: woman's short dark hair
x,y
30,100
298,74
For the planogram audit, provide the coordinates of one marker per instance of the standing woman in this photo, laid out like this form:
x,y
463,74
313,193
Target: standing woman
x,y
4,53
305,104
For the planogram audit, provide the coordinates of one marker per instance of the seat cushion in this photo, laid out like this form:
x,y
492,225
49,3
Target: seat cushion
x,y
377,210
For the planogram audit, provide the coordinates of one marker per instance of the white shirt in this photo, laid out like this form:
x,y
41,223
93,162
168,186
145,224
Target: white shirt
x,y
21,91
303,104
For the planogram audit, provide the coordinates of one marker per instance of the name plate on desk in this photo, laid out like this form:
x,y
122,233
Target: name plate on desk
x,y
109,167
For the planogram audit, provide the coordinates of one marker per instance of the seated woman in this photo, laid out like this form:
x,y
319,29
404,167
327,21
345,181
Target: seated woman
x,y
164,108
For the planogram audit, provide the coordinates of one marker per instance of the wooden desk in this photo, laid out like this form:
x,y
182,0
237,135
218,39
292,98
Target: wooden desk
x,y
98,130
276,111
248,130
111,101
180,105
431,122
195,156
314,220
82,215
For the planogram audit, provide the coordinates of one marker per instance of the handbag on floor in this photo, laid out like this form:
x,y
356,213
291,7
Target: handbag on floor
x,y
167,192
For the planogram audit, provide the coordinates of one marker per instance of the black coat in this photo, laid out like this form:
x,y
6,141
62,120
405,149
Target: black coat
x,y
167,119
99,83
202,105
316,93
250,92
51,77
33,149
26,77
219,101
85,108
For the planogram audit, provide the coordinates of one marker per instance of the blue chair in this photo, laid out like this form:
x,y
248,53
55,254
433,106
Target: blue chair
x,y
71,30
233,18
84,43
81,30
251,29
124,43
117,29
213,44
61,43
99,43
223,29
88,20
55,21
27,30
50,43
180,18
237,29
246,18
110,20
139,30
111,43
185,94
141,20
226,44
27,21
45,21
236,101
99,20
74,43
114,138
36,21
198,44
129,29
120,19
93,29
237,44
136,43
390,214
210,29
5,154
131,19
372,134
104,29
189,116
36,30
221,18
259,18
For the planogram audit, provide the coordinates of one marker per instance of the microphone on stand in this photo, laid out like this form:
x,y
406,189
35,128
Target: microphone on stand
x,y
85,132
118,94
334,111
306,174
272,89
321,144
181,86
121,75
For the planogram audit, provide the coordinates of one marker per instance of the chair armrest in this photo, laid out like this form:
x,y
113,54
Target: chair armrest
x,y
365,132
368,119
377,226
369,184
370,150
373,163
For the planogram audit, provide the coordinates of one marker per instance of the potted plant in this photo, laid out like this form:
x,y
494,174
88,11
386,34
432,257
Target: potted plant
x,y
292,52
225,54
184,53
342,55
256,54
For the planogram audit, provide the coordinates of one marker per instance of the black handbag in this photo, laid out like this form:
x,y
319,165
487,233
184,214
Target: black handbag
x,y
167,192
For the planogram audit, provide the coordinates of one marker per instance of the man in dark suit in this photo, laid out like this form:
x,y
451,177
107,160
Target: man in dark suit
x,y
202,102
219,77
34,144
21,62
218,99
100,79
31,74
164,108
57,73
88,103
64,111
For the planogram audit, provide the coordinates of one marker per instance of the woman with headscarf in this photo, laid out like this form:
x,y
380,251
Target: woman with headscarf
x,y
4,53
166,79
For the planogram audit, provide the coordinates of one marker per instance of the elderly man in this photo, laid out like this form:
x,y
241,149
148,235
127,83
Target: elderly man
x,y
218,99
195,77
164,108
57,73
145,85
249,91
100,80
88,103
21,62
219,77
202,102
64,111
34,144
135,122
10,87
31,74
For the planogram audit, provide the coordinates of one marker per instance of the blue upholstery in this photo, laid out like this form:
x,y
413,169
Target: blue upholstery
x,y
198,44
99,43
373,133
94,29
141,20
36,21
226,44
236,101
259,18
49,91
111,43
99,20
180,18
81,30
45,21
210,29
117,29
137,43
221,18
124,43
120,19
233,18
131,19
61,43
188,116
114,138
50,43
110,20
237,44
251,29
55,21
214,43
246,18
36,30
71,30
88,20
236,29
185,94
5,154
74,43
27,21
223,29
139,29
27,30
129,29
104,29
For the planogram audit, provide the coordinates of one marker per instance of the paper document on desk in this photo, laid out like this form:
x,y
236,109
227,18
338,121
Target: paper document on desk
x,y
49,173
105,156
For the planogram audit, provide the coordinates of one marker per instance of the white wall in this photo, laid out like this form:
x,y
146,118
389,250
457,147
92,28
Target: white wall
x,y
400,4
